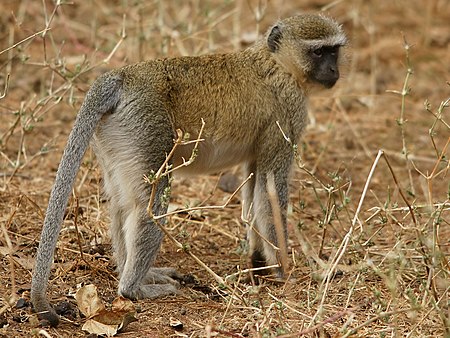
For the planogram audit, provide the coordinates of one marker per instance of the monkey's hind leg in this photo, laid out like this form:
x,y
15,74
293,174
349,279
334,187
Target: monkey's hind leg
x,y
125,156
117,235
118,178
143,239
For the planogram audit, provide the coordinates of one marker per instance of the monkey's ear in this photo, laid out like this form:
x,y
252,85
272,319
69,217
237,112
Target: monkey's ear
x,y
274,38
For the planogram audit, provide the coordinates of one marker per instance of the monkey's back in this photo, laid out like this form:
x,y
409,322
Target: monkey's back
x,y
227,91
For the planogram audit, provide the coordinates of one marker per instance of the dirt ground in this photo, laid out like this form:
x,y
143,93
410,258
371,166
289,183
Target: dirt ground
x,y
362,262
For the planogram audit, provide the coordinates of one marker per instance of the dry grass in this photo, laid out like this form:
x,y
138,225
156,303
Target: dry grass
x,y
369,212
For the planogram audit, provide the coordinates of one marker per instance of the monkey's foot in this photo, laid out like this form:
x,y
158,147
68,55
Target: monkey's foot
x,y
148,291
162,276
158,282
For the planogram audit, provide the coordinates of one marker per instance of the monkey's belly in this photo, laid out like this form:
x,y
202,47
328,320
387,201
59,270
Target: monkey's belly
x,y
210,157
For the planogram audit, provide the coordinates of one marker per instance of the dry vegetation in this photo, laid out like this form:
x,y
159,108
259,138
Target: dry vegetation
x,y
369,214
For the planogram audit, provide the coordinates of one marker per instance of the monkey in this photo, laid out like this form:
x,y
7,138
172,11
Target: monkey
x,y
131,115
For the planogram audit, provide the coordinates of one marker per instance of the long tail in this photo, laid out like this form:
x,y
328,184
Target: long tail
x,y
102,98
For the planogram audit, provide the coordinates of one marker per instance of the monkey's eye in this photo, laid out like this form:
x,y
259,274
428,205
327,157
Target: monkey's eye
x,y
334,50
318,52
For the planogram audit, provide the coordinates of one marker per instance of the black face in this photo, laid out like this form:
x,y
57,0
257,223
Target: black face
x,y
325,65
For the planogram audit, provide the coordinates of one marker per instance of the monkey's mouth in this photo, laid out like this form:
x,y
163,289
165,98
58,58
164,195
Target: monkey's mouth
x,y
327,80
329,83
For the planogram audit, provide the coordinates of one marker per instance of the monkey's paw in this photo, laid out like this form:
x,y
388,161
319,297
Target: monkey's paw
x,y
148,291
162,276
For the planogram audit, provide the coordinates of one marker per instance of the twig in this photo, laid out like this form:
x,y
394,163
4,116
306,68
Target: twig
x,y
298,159
400,189
6,86
371,320
185,249
13,298
366,186
123,36
163,169
438,116
445,205
288,306
402,121
211,207
343,246
230,301
25,40
240,272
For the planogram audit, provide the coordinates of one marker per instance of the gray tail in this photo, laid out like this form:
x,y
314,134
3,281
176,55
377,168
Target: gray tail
x,y
102,98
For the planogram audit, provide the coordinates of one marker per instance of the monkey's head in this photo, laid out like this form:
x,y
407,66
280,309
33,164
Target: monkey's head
x,y
308,46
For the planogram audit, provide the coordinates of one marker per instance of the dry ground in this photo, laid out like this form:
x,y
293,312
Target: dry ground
x,y
378,270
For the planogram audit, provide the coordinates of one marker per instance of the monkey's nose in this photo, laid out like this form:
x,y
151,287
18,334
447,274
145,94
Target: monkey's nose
x,y
335,73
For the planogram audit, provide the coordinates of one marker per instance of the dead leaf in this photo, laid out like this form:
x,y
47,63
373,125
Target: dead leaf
x,y
88,301
92,326
5,251
102,321
125,306
24,261
110,317
175,324
127,319
122,304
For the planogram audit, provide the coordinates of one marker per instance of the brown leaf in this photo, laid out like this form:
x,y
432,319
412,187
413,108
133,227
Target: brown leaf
x,y
102,321
122,313
127,319
92,326
122,304
109,317
25,261
88,301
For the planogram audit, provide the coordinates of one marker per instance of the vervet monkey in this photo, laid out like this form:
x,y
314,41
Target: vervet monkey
x,y
132,115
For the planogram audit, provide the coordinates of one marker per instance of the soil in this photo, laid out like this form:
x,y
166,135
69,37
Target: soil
x,y
362,263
